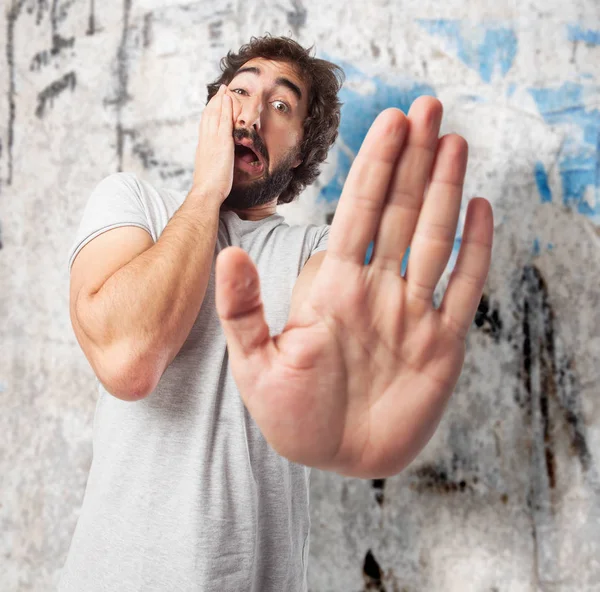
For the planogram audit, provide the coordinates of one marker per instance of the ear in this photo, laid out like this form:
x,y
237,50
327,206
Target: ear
x,y
297,162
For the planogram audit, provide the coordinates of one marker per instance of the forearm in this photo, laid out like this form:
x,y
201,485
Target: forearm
x,y
140,317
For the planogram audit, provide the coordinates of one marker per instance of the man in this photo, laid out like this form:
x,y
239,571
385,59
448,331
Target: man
x,y
233,351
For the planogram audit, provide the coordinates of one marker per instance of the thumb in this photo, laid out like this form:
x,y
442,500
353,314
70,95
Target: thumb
x,y
239,306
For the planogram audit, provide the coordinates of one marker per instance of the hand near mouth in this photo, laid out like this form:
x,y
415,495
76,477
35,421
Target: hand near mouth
x,y
213,166
359,378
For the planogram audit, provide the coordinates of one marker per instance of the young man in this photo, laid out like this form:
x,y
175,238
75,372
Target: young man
x,y
233,352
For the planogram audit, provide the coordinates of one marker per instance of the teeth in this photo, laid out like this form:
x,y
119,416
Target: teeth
x,y
255,163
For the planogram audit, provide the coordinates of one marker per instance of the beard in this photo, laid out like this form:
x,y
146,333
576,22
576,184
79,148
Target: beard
x,y
244,195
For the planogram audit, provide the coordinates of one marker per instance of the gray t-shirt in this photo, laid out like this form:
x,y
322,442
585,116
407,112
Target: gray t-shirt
x,y
184,493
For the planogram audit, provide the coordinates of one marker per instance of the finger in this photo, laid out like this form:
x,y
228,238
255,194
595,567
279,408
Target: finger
x,y
226,122
212,112
359,209
467,280
239,306
433,239
236,105
401,212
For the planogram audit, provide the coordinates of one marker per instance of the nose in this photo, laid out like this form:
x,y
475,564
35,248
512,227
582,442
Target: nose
x,y
248,114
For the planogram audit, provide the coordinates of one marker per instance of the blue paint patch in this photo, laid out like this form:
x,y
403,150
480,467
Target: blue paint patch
x,y
369,253
589,36
403,266
474,99
359,110
536,247
404,263
358,113
487,49
579,158
541,179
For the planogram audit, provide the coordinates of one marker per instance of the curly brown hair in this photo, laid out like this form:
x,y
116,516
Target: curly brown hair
x,y
324,80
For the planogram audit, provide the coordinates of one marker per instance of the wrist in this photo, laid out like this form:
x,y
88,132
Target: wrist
x,y
201,195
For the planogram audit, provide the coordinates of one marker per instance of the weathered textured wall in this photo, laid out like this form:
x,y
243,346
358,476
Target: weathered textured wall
x,y
506,497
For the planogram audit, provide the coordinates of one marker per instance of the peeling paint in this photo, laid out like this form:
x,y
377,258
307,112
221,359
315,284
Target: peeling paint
x,y
578,33
487,48
358,112
541,180
567,107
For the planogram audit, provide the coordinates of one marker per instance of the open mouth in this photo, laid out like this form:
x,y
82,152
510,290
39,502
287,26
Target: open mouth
x,y
248,160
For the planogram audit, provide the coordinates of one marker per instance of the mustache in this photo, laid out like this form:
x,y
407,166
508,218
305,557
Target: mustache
x,y
258,145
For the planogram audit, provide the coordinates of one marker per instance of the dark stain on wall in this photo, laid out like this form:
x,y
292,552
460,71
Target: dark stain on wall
x,y
568,389
440,478
144,151
42,58
11,19
215,31
91,30
488,319
551,394
147,35
59,43
122,96
296,18
372,573
42,5
53,90
123,80
378,486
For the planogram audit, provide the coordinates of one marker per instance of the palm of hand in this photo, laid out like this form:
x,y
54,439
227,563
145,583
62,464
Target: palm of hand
x,y
359,378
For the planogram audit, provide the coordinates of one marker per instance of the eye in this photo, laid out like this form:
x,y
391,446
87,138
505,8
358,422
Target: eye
x,y
281,106
239,91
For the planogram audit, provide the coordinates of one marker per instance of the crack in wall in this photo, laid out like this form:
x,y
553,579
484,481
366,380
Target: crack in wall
x,y
91,20
122,96
11,19
550,397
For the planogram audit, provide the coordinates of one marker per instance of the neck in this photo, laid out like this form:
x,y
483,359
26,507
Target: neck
x,y
256,213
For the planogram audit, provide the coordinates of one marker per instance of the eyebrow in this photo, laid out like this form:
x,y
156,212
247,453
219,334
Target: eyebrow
x,y
281,81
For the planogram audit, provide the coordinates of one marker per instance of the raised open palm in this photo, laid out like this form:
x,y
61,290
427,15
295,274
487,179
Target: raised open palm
x,y
359,378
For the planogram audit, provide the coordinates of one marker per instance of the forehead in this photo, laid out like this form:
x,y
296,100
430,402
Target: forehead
x,y
270,70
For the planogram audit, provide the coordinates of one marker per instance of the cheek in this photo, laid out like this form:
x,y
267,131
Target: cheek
x,y
280,141
288,139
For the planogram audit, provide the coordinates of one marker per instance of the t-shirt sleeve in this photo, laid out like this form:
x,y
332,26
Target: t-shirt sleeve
x,y
116,201
321,239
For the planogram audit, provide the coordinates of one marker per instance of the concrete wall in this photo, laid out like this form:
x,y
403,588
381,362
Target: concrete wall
x,y
506,497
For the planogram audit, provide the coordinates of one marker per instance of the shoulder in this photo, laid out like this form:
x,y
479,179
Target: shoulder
x,y
131,186
120,179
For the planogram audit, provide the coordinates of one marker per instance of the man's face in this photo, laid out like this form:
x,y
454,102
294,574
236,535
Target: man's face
x,y
270,104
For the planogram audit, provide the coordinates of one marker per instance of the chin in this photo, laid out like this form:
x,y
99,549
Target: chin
x,y
243,179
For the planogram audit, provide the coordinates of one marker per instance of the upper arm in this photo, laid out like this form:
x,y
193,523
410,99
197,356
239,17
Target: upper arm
x,y
94,264
305,279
